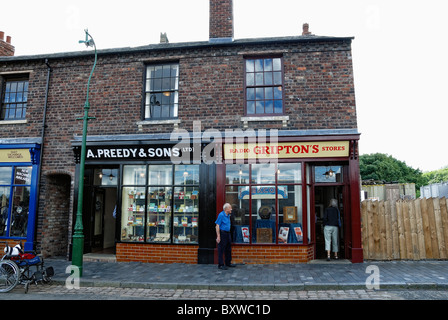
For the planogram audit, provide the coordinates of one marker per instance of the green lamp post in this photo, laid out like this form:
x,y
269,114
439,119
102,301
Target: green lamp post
x,y
78,236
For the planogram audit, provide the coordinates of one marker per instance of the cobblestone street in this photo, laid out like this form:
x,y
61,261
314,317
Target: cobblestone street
x,y
60,292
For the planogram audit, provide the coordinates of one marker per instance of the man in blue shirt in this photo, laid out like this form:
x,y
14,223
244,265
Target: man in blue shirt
x,y
223,237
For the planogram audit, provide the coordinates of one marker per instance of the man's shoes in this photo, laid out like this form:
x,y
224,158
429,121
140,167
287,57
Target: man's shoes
x,y
231,265
222,267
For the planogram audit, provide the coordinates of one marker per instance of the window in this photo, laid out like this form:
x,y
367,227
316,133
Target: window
x,y
15,188
266,202
14,98
264,86
160,203
161,91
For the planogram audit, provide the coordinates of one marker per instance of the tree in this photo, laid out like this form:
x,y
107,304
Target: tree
x,y
436,176
383,167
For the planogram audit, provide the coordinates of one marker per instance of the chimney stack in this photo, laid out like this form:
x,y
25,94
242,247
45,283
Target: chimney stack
x,y
6,49
221,21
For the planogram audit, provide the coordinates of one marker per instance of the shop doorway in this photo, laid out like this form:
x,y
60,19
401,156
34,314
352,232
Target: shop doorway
x,y
99,210
322,197
103,220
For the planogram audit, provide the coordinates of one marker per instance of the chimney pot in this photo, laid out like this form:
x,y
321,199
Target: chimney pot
x,y
306,31
2,35
8,39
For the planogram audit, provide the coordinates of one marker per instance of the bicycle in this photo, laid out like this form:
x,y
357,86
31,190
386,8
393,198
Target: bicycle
x,y
17,267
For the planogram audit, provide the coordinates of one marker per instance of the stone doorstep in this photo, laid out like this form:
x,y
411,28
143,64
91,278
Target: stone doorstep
x,y
97,257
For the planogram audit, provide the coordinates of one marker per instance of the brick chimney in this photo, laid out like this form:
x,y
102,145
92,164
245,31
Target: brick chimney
x,y
6,49
221,21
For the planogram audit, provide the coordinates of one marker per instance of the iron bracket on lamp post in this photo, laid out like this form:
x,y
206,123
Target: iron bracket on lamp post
x,y
78,236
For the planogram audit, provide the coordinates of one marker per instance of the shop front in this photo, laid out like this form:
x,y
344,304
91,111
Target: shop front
x,y
147,201
19,174
154,201
279,191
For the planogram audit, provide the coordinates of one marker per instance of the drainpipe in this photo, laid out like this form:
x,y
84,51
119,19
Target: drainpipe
x,y
49,70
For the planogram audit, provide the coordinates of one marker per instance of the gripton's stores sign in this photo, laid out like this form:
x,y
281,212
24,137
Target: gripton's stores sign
x,y
285,150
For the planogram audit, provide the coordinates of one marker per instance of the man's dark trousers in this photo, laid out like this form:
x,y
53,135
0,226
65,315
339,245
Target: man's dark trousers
x,y
225,247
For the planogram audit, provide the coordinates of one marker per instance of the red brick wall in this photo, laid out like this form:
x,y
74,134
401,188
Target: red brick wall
x,y
157,253
265,254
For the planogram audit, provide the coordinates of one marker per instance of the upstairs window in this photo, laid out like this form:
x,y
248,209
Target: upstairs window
x,y
161,91
264,86
14,97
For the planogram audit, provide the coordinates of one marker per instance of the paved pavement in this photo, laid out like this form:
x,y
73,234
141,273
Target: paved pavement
x,y
320,280
333,275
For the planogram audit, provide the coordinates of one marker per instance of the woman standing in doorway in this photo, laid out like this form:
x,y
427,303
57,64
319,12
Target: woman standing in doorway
x,y
331,223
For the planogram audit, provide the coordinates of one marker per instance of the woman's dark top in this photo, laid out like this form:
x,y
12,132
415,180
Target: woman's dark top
x,y
331,217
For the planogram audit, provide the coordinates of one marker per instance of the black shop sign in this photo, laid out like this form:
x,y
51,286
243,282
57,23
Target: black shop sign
x,y
178,153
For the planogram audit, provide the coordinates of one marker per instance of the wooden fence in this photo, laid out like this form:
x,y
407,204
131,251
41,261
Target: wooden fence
x,y
405,229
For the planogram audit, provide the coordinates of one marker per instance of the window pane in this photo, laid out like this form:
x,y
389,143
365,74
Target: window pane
x,y
260,107
259,93
186,174
5,175
277,64
277,92
328,174
278,106
259,79
160,175
4,207
290,214
250,79
159,214
250,107
186,213
23,175
289,173
250,66
268,107
267,64
238,197
268,78
237,173
19,214
263,173
134,175
250,94
263,214
268,93
277,78
258,65
133,214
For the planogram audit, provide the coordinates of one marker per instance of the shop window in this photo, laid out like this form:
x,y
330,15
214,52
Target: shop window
x,y
14,99
264,86
269,208
161,91
162,209
15,189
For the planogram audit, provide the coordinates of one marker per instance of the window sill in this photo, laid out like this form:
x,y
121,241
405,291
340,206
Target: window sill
x,y
283,119
174,122
13,122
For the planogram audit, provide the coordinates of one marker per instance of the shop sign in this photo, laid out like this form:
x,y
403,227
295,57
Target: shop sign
x,y
147,152
15,155
285,150
263,192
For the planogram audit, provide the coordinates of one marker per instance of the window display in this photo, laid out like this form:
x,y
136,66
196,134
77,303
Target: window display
x,y
158,210
263,210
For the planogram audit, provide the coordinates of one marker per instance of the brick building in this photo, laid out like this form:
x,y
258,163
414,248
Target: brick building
x,y
268,125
